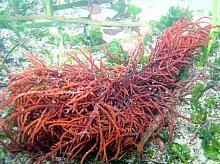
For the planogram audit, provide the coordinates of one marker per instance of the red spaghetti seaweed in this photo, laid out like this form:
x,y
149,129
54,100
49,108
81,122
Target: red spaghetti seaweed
x,y
75,110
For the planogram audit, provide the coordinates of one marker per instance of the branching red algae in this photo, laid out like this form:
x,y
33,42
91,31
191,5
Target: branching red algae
x,y
86,108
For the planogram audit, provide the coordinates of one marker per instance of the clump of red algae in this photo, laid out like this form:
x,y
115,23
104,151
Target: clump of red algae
x,y
72,111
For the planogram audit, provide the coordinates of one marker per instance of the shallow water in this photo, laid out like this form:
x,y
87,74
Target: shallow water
x,y
50,41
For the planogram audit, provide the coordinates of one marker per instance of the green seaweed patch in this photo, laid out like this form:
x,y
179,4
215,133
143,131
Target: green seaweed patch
x,y
178,153
211,141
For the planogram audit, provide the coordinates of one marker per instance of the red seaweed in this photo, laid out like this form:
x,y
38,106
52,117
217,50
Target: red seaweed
x,y
87,108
